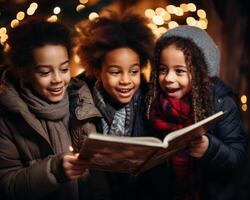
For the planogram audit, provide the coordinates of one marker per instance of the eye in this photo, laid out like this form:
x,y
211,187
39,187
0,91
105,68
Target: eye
x,y
180,71
163,70
43,73
65,69
134,72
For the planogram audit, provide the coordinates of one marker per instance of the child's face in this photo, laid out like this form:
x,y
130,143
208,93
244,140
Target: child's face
x,y
120,74
174,75
49,75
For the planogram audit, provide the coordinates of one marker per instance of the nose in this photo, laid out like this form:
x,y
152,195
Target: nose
x,y
125,79
170,76
57,77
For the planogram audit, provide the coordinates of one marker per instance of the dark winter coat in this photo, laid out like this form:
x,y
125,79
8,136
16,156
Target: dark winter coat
x,y
222,165
103,185
29,168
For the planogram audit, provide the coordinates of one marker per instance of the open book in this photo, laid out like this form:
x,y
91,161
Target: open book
x,y
137,154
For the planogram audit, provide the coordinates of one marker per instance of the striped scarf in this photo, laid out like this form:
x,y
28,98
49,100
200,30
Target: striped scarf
x,y
116,120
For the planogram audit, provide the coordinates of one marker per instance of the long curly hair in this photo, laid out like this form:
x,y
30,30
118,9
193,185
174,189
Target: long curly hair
x,y
96,38
201,83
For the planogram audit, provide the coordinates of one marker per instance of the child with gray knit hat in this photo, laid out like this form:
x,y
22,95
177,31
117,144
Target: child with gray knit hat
x,y
185,90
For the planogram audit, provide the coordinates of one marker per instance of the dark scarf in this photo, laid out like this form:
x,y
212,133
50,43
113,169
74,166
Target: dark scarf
x,y
166,115
115,117
54,118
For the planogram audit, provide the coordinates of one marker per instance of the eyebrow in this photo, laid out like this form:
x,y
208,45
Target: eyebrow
x,y
119,66
39,66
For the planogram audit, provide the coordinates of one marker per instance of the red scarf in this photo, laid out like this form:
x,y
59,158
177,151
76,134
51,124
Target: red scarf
x,y
166,115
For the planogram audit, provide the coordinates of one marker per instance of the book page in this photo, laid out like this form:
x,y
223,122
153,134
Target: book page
x,y
147,141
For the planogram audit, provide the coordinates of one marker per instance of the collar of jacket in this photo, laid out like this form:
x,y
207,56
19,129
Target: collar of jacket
x,y
85,107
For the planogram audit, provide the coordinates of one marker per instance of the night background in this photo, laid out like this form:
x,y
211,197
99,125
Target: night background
x,y
227,22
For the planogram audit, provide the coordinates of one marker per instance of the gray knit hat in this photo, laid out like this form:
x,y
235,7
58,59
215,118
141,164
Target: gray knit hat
x,y
203,41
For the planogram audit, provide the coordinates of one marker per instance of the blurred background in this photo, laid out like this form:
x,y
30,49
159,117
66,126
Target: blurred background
x,y
227,22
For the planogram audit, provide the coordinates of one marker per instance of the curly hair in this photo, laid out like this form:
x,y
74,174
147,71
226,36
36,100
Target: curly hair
x,y
98,37
201,83
34,33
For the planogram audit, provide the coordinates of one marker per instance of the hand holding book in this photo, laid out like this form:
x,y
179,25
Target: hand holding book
x,y
137,154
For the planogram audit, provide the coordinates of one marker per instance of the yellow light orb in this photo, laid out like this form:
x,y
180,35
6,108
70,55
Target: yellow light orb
x,y
184,7
166,17
149,13
14,23
93,15
192,7
57,10
172,24
201,13
20,15
52,18
80,7
34,6
244,107
3,31
160,11
158,20
83,1
243,99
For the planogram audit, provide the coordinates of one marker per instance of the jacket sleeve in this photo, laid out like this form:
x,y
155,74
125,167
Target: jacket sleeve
x,y
20,180
227,142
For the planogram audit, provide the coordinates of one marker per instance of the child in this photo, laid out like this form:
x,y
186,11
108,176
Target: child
x,y
185,91
34,134
115,50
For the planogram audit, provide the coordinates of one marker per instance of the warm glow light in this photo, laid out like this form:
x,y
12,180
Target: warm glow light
x,y
244,107
20,15
167,16
93,15
162,29
158,20
34,6
3,38
202,24
3,31
160,11
179,11
172,24
14,23
191,7
243,99
152,26
57,10
184,7
30,11
201,13
83,1
76,59
171,9
149,13
52,18
191,21
6,47
80,7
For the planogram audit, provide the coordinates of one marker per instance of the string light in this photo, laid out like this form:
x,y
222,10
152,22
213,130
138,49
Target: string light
x,y
57,10
93,15
80,7
161,17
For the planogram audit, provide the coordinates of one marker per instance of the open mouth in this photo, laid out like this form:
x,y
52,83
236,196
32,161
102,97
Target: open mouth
x,y
172,90
56,91
124,92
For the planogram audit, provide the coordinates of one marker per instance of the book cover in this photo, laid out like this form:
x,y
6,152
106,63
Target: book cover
x,y
137,154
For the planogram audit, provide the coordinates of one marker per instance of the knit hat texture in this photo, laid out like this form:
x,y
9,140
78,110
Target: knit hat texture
x,y
203,41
